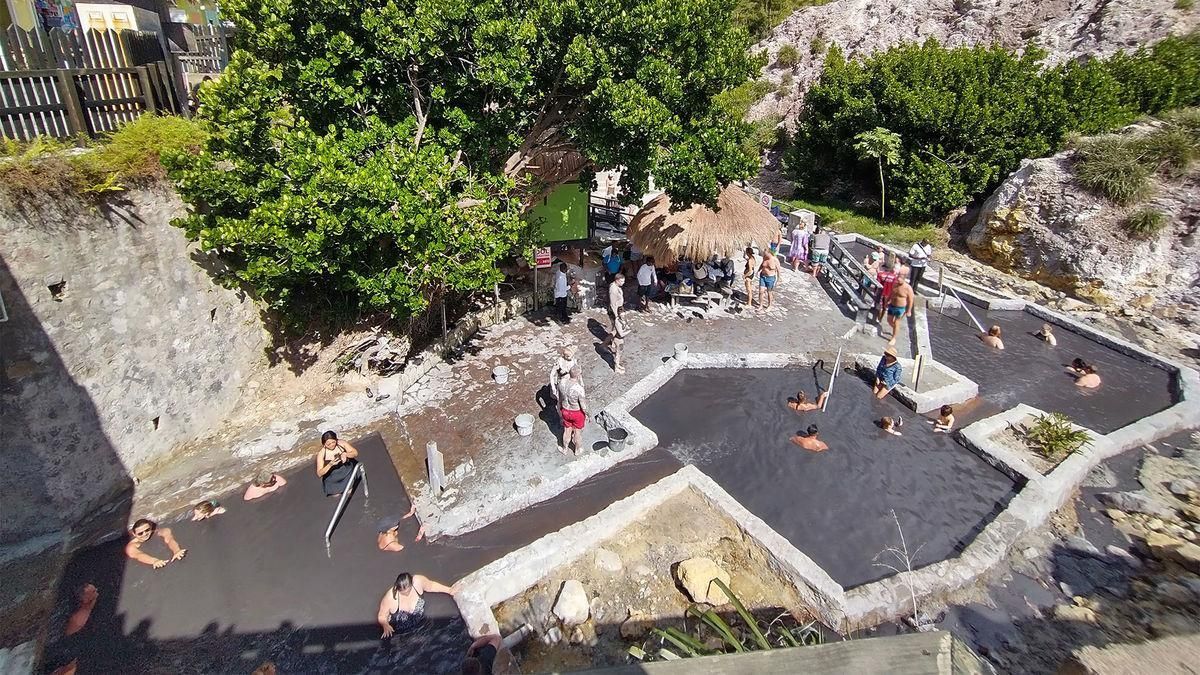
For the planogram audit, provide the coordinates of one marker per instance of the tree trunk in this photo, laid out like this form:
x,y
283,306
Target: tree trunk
x,y
882,192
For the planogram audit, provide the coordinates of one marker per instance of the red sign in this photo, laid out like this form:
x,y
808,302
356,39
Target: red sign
x,y
765,200
541,257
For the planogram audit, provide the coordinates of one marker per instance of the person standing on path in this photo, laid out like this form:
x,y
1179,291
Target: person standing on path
x,y
620,331
616,305
798,251
820,250
748,274
573,409
887,277
647,278
768,275
918,258
900,304
561,288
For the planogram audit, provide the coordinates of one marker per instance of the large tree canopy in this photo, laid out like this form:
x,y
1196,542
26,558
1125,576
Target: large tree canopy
x,y
371,153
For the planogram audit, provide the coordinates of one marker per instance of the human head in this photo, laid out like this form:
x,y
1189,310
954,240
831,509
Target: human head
x,y
812,430
801,397
472,666
576,373
620,279
404,582
925,241
889,354
329,439
817,229
649,260
568,352
749,251
143,529
205,508
994,331
1047,329
1078,364
946,411
562,267
887,422
264,479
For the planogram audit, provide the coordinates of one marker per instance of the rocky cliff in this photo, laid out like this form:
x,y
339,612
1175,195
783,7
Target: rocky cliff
x,y
1041,225
1066,29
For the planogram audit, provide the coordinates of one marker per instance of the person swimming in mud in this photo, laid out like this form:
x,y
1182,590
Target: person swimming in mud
x,y
142,531
1046,334
810,440
206,509
1084,373
891,425
992,338
945,421
802,404
402,608
263,484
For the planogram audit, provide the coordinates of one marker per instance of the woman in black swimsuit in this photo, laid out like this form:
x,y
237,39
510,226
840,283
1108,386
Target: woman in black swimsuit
x,y
336,461
402,608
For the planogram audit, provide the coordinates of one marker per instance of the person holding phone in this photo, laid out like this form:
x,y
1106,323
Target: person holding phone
x,y
336,461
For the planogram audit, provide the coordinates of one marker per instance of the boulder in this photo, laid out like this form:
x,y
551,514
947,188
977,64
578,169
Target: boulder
x,y
1136,502
696,576
1074,613
608,561
1182,487
572,606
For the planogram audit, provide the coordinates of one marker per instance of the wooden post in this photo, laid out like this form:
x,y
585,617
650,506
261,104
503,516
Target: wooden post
x,y
70,98
147,90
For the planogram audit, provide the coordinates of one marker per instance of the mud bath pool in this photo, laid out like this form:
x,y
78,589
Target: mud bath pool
x,y
835,506
1030,371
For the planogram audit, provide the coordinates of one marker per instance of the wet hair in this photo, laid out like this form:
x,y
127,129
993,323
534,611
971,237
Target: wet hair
x,y
404,581
264,479
562,267
749,251
328,436
1046,329
946,410
994,331
1079,364
812,430
472,666
887,422
1089,369
143,521
801,397
205,508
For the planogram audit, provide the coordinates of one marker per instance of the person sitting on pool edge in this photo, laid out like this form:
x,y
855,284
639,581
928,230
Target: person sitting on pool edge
x,y
810,441
887,373
1084,373
1046,334
945,421
802,404
206,509
992,338
336,462
891,425
141,532
263,485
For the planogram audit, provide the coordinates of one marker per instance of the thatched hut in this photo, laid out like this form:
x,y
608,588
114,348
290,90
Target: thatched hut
x,y
699,231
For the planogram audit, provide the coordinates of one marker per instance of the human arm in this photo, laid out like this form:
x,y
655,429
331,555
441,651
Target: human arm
x,y
492,639
912,300
168,537
348,450
382,617
135,553
425,584
323,467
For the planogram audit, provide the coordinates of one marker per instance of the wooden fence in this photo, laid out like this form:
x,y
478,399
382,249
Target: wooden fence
x,y
211,54
66,83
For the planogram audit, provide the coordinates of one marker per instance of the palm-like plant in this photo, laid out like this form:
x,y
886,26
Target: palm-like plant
x,y
882,145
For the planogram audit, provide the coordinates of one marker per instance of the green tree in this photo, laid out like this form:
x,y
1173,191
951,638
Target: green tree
x,y
372,156
882,146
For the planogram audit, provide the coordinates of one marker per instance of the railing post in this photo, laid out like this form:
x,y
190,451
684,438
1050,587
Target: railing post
x,y
147,90
70,98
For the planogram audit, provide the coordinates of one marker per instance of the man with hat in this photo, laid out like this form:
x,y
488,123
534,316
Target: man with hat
x,y
887,373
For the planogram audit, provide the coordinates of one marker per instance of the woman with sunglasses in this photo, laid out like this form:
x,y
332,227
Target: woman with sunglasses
x,y
142,531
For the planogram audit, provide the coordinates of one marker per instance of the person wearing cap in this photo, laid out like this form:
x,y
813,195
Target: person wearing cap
x,y
887,373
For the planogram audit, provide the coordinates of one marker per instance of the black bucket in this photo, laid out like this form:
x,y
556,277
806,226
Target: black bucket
x,y
616,439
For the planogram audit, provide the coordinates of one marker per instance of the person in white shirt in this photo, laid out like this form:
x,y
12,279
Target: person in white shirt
x,y
647,278
918,258
561,288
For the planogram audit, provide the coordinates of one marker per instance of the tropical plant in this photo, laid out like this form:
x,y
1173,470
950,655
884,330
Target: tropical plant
x,y
750,635
883,146
1145,223
379,157
1053,436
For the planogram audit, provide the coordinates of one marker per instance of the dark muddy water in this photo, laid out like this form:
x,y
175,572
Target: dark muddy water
x,y
1030,371
835,506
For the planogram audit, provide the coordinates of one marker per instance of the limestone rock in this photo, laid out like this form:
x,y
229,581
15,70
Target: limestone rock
x,y
1136,502
608,561
572,606
696,575
1182,487
637,625
1074,613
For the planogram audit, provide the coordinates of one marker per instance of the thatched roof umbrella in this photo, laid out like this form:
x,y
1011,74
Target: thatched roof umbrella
x,y
699,231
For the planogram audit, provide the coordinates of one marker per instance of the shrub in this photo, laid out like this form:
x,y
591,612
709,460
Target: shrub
x,y
1112,167
1184,4
1053,437
1170,150
1145,223
818,45
785,85
787,57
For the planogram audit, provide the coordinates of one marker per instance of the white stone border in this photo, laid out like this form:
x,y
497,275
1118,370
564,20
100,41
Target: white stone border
x,y
959,390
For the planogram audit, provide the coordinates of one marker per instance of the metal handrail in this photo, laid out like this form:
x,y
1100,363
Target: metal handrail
x,y
966,309
360,474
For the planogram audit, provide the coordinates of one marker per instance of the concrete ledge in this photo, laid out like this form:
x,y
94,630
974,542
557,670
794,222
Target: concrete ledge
x,y
958,391
978,438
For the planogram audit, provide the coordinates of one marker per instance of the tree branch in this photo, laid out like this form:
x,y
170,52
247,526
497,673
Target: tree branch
x,y
421,114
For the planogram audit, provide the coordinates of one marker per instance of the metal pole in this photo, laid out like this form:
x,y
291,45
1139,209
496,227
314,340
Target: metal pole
x,y
359,472
837,364
942,289
967,310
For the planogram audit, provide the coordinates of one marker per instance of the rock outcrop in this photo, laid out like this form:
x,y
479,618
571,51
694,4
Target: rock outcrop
x,y
1066,29
1041,225
572,606
696,576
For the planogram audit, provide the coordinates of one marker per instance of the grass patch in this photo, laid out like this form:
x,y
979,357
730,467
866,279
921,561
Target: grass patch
x,y
1184,4
843,218
129,157
1120,167
760,18
1145,223
788,56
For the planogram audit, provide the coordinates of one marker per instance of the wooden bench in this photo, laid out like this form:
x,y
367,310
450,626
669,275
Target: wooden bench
x,y
852,283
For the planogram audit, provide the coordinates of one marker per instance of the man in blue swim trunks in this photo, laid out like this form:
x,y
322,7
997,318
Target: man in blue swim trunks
x,y
900,304
887,373
768,275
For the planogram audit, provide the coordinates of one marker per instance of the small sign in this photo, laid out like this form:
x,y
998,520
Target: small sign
x,y
765,200
541,257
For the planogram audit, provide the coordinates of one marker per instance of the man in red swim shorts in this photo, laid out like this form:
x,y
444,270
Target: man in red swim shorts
x,y
572,403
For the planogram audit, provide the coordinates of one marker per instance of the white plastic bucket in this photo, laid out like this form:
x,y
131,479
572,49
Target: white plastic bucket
x,y
681,351
500,374
524,423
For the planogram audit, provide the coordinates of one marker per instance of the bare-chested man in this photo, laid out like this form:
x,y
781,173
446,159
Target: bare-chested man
x,y
768,274
900,305
809,441
802,404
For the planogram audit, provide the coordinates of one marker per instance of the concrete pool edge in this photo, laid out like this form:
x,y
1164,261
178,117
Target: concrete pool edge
x,y
960,389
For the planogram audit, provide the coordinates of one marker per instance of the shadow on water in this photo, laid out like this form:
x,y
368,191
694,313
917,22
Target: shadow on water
x,y
60,465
